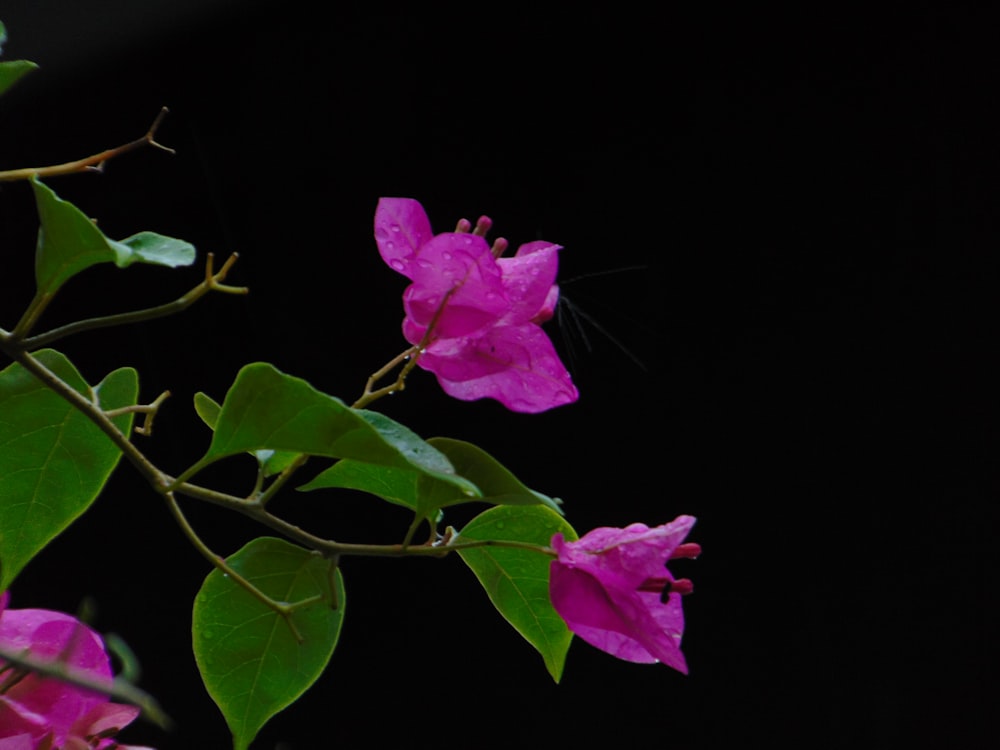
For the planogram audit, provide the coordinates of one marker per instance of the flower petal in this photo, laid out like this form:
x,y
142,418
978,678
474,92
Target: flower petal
x,y
516,365
528,279
401,228
58,637
456,275
634,553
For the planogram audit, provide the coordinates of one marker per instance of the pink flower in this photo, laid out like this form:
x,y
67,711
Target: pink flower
x,y
613,590
44,712
477,315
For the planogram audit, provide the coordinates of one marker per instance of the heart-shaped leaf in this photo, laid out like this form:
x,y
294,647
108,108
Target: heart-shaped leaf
x,y
54,462
250,660
517,580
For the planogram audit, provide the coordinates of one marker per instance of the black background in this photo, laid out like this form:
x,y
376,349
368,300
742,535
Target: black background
x,y
800,213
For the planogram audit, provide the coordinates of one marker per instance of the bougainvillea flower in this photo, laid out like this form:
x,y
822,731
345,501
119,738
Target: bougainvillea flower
x,y
38,711
613,589
477,316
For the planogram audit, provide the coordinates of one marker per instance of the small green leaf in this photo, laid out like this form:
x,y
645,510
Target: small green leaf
x,y
250,661
498,485
267,409
54,462
517,580
156,249
69,242
11,72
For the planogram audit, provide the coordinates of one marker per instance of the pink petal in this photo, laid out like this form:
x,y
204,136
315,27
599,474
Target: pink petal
x,y
18,742
634,553
528,278
548,308
103,717
516,365
401,228
617,620
55,636
456,274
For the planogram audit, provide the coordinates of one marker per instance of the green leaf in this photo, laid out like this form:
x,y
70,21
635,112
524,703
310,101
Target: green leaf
x,y
267,409
249,659
498,485
517,580
397,486
54,462
155,249
11,72
425,494
69,242
422,493
271,462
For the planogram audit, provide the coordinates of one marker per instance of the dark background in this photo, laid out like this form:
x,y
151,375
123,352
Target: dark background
x,y
799,211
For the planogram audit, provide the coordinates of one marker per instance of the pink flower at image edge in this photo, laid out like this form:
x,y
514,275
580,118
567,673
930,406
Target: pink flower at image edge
x,y
479,315
613,589
38,711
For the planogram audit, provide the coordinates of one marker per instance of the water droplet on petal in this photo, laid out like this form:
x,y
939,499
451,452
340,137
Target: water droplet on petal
x,y
397,264
446,255
395,228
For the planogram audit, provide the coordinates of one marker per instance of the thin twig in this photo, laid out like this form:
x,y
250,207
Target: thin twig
x,y
93,163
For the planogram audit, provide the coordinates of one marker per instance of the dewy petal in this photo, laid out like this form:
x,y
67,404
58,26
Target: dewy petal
x,y
516,365
459,272
528,278
401,229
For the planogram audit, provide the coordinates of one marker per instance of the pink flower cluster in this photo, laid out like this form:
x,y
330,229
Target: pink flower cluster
x,y
613,589
477,315
39,712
